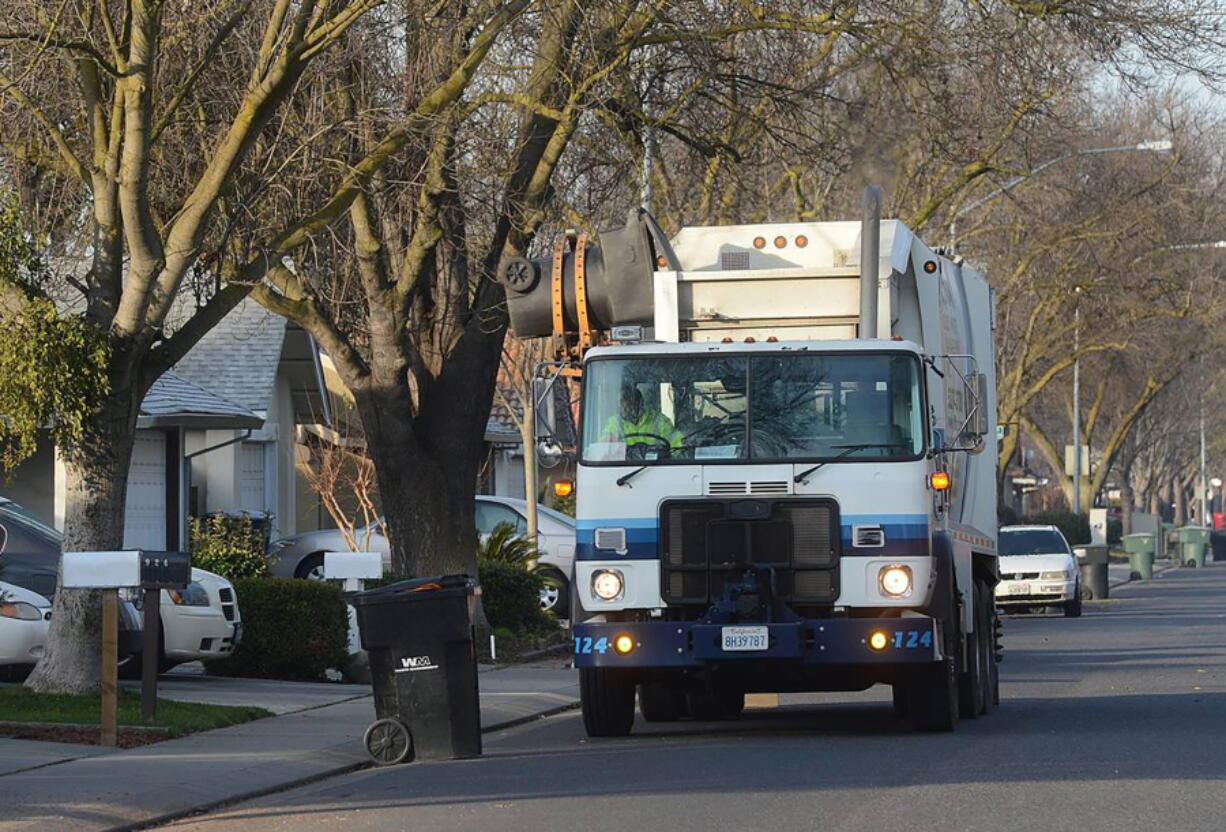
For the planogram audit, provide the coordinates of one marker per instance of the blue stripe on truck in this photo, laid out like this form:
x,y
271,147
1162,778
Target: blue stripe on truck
x,y
905,534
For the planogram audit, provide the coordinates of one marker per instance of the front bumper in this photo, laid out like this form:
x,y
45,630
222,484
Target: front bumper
x,y
1035,592
690,644
197,633
21,642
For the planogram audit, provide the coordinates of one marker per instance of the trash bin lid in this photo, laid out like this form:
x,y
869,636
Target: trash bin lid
x,y
416,589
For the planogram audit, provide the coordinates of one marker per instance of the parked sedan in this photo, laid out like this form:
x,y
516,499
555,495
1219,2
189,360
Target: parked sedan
x,y
198,623
24,619
1037,569
302,556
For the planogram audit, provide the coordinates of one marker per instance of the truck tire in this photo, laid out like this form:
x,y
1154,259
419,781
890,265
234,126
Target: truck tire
x,y
932,697
987,609
708,706
606,696
932,692
973,681
660,703
900,699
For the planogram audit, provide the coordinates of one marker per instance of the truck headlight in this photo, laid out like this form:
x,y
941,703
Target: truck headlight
x,y
608,584
894,581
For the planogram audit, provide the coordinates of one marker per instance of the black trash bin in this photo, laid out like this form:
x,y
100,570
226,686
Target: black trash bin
x,y
419,637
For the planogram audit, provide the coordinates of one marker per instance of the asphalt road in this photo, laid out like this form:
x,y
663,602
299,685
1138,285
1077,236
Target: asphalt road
x,y
1114,721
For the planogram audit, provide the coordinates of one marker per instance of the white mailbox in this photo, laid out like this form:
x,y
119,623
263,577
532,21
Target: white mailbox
x,y
353,567
101,570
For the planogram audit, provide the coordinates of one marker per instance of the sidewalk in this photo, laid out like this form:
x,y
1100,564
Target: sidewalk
x,y
317,734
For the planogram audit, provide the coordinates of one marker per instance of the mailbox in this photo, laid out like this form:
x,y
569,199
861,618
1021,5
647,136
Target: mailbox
x,y
101,570
165,570
349,565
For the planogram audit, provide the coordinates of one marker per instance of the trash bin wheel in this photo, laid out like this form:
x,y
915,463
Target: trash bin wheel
x,y
388,742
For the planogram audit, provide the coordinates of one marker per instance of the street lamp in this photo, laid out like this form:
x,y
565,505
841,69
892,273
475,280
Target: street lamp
x,y
1151,146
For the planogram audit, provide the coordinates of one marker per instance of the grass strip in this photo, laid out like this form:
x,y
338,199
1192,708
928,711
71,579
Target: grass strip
x,y
19,704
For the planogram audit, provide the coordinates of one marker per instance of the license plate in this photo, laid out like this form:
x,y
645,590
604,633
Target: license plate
x,y
745,638
1017,589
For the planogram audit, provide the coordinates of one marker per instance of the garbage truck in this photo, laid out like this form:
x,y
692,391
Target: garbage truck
x,y
786,467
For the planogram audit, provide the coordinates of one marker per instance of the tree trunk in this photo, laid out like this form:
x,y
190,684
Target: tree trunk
x,y
1181,504
427,483
97,484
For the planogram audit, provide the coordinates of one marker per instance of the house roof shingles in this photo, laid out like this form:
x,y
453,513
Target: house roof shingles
x,y
175,401
237,359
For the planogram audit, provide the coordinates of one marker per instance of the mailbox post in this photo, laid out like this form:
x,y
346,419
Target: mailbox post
x,y
158,571
111,572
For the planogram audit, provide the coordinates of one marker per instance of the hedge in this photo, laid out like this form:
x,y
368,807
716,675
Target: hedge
x,y
292,629
1076,528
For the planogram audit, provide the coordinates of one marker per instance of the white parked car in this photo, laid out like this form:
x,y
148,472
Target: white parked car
x,y
1037,569
24,619
199,622
302,556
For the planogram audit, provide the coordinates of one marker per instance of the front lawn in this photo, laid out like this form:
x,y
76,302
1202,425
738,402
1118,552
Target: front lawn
x,y
19,704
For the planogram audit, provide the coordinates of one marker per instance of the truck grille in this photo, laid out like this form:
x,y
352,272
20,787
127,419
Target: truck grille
x,y
702,541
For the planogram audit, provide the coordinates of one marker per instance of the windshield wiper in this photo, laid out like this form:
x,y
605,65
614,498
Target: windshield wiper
x,y
847,449
625,478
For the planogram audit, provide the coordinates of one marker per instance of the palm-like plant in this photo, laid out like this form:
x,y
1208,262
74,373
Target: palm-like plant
x,y
504,546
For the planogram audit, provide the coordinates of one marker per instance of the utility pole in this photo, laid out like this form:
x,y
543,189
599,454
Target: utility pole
x,y
528,434
1077,403
1203,517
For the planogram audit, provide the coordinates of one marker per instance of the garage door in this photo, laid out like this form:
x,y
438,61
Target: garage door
x,y
145,521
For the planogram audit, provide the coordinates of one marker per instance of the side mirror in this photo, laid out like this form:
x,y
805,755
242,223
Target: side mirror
x,y
980,422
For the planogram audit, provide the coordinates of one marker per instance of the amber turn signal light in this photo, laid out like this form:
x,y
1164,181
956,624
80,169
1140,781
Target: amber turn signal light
x,y
563,488
939,481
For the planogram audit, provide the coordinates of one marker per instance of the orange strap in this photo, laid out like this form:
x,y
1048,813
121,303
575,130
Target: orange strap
x,y
559,251
585,329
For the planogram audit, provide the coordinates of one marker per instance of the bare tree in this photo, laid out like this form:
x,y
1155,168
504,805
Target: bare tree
x,y
151,139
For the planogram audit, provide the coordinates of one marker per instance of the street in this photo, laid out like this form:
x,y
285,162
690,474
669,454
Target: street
x,y
1109,722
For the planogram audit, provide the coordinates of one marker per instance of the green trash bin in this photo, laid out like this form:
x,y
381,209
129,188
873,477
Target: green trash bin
x,y
1193,540
1140,549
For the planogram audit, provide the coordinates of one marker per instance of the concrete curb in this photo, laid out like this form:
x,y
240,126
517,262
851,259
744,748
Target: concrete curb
x,y
213,806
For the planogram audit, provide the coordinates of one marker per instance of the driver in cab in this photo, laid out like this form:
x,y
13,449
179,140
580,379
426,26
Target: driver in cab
x,y
638,425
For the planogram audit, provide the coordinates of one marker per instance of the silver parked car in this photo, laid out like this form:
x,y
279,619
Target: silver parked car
x,y
302,556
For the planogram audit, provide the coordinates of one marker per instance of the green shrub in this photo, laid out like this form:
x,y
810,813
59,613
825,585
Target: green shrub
x,y
292,629
511,597
1076,528
1115,531
230,546
503,545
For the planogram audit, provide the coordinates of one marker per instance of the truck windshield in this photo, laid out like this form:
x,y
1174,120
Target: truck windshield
x,y
760,408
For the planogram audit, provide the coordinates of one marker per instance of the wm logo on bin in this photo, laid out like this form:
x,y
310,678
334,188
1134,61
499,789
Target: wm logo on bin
x,y
414,663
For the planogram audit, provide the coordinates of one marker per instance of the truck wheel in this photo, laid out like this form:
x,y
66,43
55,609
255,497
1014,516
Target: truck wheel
x,y
932,697
706,706
660,703
971,682
607,699
987,645
900,699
